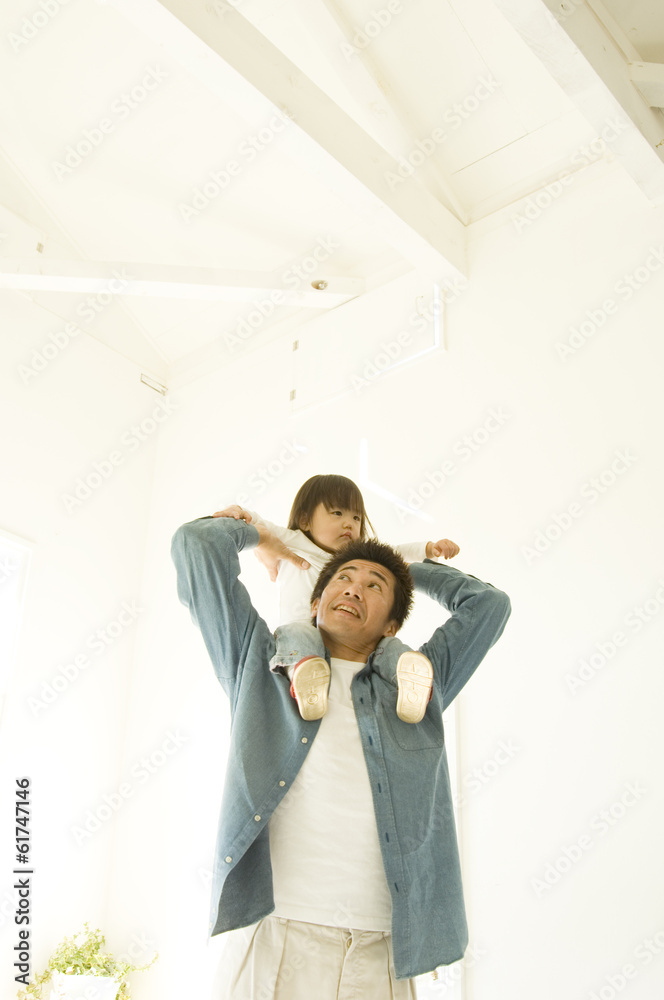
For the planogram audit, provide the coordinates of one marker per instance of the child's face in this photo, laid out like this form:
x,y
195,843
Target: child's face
x,y
331,528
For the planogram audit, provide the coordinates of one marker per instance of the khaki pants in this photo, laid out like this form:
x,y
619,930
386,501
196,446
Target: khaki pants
x,y
279,959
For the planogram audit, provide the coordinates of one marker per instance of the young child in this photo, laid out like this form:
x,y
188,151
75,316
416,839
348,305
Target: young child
x,y
327,513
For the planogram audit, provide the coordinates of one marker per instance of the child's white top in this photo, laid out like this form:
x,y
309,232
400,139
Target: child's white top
x,y
296,585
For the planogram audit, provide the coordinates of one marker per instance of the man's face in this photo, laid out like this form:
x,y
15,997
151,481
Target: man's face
x,y
354,611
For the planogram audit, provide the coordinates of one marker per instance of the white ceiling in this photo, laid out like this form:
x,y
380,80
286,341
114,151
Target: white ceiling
x,y
116,113
642,22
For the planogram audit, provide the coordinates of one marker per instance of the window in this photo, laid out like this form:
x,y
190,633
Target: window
x,y
14,560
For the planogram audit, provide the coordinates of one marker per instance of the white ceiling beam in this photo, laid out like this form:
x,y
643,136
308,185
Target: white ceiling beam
x,y
31,232
234,60
174,282
590,67
615,29
29,221
400,127
648,78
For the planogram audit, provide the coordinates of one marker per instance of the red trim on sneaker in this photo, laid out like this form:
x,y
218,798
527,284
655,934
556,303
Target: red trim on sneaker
x,y
309,686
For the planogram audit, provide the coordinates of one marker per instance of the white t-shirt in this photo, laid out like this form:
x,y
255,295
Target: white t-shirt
x,y
327,866
296,585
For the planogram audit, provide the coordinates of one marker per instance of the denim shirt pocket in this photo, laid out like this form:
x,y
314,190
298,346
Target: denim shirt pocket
x,y
425,735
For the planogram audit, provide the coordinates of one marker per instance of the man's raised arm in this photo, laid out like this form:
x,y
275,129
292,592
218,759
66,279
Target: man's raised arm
x,y
479,615
205,553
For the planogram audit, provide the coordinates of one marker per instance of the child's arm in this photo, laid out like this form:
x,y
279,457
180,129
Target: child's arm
x,y
251,517
269,557
417,551
443,547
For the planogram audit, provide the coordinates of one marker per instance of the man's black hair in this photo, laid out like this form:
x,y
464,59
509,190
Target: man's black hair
x,y
374,551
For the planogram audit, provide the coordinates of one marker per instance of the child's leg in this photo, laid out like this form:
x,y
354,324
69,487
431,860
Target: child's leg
x,y
410,672
294,642
300,652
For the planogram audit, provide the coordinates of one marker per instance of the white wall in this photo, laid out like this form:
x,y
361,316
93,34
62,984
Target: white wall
x,y
538,761
64,718
546,759
550,923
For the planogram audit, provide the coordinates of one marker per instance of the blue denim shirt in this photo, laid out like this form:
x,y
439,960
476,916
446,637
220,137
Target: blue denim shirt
x,y
406,763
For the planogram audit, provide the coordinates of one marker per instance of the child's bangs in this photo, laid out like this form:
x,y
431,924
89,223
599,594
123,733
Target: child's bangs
x,y
342,492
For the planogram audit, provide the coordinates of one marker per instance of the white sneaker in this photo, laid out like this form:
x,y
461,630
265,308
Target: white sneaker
x,y
415,682
309,686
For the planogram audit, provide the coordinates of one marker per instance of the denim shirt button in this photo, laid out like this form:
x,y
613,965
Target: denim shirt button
x,y
304,740
282,783
257,818
228,860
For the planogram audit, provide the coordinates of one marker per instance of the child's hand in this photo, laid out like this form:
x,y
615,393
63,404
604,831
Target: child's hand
x,y
443,547
239,513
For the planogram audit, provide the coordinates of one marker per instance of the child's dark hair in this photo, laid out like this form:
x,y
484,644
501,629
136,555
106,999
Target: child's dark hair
x,y
374,551
333,491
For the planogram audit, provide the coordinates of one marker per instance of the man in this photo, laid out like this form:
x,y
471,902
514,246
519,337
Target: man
x,y
336,871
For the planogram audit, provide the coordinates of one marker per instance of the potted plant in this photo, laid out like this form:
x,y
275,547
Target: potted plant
x,y
79,970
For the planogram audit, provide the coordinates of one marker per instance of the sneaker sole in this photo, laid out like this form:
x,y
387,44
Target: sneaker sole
x,y
414,679
310,684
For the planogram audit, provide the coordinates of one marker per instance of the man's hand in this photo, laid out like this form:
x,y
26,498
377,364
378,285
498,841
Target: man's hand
x,y
271,551
239,513
443,547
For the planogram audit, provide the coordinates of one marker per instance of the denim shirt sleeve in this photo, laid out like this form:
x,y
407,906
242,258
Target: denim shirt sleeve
x,y
479,615
205,553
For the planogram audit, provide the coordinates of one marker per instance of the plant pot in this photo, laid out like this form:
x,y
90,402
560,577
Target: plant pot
x,y
65,986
